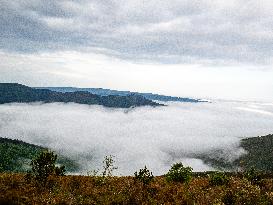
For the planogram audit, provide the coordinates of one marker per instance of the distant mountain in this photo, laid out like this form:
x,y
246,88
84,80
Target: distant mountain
x,y
107,92
13,92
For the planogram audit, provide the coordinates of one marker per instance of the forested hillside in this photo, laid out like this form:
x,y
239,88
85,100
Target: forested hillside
x,y
16,93
16,155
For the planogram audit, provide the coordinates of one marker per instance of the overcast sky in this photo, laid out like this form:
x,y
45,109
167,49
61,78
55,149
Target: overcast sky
x,y
201,48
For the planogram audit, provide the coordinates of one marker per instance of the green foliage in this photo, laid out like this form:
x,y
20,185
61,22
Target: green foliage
x,y
259,153
16,155
144,176
218,179
253,176
44,166
179,173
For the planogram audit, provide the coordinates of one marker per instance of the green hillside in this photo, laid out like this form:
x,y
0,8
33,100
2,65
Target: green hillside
x,y
259,153
15,156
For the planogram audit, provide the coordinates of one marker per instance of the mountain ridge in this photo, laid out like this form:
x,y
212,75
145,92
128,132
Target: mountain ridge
x,y
106,92
17,93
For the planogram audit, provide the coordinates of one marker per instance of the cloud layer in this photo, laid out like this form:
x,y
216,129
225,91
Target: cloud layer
x,y
208,32
156,137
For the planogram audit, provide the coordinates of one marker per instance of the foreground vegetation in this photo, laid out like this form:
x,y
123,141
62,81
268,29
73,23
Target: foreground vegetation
x,y
46,184
45,181
15,189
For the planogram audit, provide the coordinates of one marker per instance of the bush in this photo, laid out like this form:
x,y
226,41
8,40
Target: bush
x,y
179,173
108,166
253,176
100,177
144,176
44,166
218,179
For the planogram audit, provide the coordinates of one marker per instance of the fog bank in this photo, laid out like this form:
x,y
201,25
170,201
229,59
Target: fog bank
x,y
156,137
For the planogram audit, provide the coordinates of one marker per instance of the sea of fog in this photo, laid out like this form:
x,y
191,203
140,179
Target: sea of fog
x,y
156,137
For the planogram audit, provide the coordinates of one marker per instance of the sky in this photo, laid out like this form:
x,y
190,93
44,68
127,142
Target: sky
x,y
203,48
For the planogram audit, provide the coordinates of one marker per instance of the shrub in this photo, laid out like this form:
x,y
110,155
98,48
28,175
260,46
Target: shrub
x,y
144,176
108,166
253,176
218,179
179,173
44,166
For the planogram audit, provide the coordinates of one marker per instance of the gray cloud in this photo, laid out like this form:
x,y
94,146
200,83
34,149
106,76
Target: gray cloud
x,y
164,31
156,137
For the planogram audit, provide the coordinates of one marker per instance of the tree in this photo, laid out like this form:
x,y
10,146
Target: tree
x,y
144,176
44,165
179,173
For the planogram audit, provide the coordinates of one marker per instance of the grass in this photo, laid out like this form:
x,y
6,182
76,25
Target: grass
x,y
15,189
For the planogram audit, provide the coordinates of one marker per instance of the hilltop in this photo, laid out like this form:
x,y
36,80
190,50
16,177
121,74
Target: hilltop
x,y
17,93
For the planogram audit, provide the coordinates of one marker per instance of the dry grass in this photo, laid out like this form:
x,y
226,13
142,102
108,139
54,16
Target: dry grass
x,y
15,189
